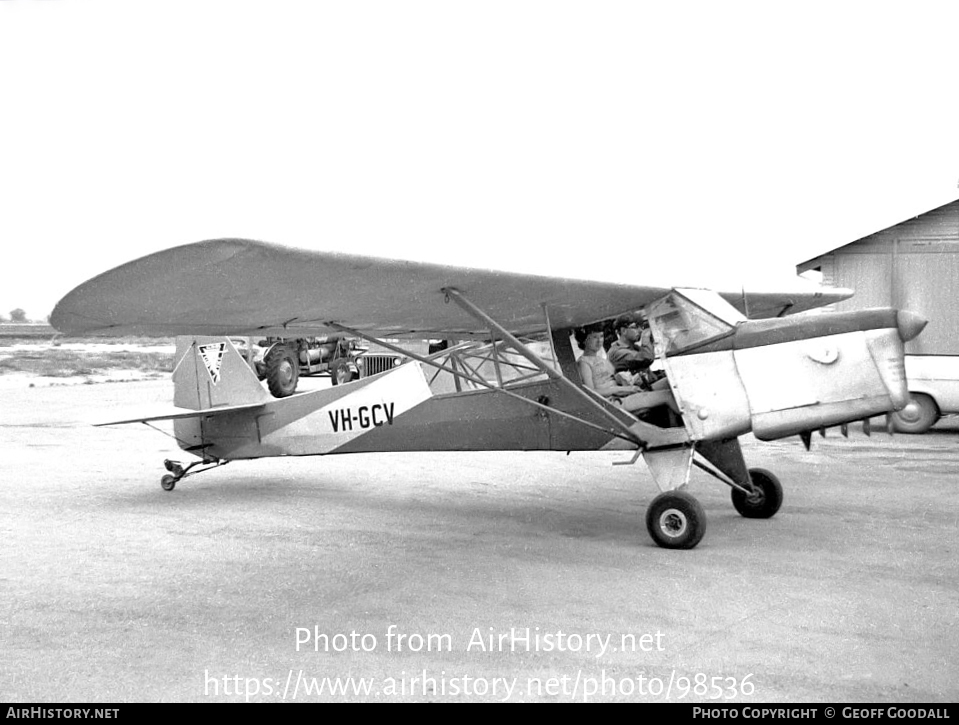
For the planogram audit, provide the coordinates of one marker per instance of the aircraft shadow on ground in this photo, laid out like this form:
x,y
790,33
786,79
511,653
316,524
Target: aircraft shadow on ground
x,y
602,518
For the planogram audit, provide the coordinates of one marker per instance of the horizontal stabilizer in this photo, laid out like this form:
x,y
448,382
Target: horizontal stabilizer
x,y
174,413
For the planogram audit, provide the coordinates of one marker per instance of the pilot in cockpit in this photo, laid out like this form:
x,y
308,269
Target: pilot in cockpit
x,y
632,352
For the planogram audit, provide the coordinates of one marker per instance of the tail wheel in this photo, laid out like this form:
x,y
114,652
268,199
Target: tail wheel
x,y
919,415
766,498
676,520
282,371
342,374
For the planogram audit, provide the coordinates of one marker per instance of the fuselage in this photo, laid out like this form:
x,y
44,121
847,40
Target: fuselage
x,y
775,377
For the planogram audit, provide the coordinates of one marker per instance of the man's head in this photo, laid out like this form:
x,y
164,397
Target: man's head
x,y
629,327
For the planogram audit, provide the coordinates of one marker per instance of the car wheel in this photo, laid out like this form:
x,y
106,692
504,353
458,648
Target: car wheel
x,y
919,415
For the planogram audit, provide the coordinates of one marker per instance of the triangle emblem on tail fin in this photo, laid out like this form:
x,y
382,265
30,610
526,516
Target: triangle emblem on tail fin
x,y
212,356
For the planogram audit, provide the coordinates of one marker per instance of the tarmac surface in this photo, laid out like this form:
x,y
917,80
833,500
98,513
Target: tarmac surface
x,y
114,590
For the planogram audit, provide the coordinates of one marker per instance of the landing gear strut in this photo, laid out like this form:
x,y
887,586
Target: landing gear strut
x,y
676,520
177,471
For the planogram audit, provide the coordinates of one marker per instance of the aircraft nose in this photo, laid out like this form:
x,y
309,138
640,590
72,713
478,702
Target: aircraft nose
x,y
910,324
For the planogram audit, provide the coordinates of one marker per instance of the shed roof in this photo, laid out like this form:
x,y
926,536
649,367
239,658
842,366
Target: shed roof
x,y
804,265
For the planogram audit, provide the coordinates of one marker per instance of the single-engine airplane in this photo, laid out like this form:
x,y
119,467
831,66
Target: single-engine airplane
x,y
509,381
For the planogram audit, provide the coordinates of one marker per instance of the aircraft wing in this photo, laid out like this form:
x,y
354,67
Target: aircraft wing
x,y
243,287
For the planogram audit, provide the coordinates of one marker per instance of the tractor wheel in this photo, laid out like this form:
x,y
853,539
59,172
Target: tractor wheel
x,y
282,371
919,415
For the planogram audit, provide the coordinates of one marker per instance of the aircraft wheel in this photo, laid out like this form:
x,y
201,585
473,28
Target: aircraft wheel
x,y
919,415
168,482
765,502
342,374
282,371
676,520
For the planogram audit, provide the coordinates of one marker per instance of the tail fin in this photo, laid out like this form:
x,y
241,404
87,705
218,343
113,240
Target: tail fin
x,y
211,373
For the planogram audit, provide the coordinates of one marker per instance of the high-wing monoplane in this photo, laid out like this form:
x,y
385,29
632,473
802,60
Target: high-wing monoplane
x,y
508,380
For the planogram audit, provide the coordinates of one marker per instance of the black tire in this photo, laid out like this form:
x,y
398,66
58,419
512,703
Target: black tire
x,y
766,500
168,482
282,371
676,520
919,415
341,374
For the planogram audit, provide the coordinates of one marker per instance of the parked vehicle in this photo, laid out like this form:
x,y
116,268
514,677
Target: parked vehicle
x,y
281,361
933,392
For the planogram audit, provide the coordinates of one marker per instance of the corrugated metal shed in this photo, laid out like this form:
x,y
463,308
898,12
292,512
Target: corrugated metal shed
x,y
912,265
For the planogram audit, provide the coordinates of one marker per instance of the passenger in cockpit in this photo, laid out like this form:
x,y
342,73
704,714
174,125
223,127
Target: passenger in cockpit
x,y
598,374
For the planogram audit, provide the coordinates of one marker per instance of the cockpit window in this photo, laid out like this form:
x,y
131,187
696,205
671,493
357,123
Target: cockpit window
x,y
679,324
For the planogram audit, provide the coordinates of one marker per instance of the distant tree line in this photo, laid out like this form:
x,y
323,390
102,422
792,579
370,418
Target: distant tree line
x,y
17,315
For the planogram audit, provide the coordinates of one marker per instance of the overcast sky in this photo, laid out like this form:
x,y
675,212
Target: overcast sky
x,y
570,138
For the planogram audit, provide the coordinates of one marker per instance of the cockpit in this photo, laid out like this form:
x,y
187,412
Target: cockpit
x,y
689,318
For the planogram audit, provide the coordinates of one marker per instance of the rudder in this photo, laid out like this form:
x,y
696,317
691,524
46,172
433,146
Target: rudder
x,y
211,373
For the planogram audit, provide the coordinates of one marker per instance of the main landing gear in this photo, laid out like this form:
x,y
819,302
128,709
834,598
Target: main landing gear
x,y
177,471
766,498
676,520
